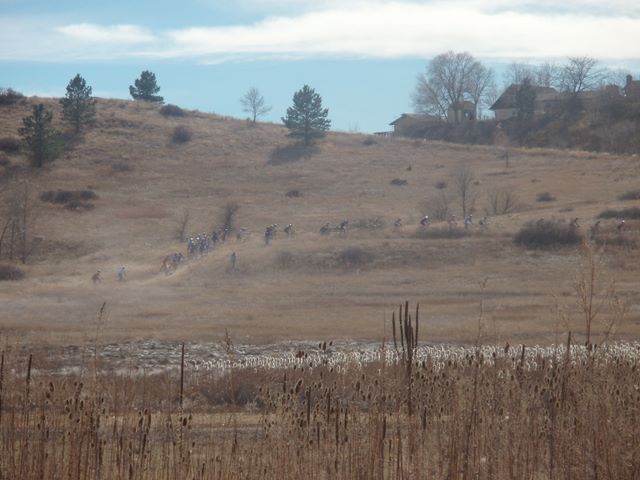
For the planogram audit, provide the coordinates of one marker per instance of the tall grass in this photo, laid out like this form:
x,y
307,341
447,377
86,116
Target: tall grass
x,y
573,413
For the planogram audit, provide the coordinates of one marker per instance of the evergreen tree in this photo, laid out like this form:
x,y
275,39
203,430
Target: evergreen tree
x,y
78,106
307,119
146,88
39,135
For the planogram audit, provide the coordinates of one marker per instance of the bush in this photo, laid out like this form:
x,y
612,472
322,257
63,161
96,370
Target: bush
x,y
369,141
630,195
294,194
398,182
441,232
291,153
545,197
181,134
172,111
354,257
71,199
9,96
66,196
9,272
547,234
10,144
632,213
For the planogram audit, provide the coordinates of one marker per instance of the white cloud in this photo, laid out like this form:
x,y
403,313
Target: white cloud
x,y
496,29
608,8
114,34
411,29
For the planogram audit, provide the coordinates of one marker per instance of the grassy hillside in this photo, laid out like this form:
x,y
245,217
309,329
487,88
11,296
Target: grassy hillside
x,y
305,286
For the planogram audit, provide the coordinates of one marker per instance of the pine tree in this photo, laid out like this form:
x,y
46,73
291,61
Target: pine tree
x,y
307,119
146,88
40,137
78,106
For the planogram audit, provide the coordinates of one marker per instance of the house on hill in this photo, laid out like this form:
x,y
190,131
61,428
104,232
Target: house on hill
x,y
466,111
632,88
409,123
505,106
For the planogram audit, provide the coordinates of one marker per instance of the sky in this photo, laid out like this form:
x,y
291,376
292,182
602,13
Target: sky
x,y
361,56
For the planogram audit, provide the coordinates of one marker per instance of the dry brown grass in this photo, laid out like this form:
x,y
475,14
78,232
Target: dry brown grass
x,y
500,414
134,223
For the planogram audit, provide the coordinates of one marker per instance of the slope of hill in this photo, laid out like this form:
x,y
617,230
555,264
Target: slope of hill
x,y
309,286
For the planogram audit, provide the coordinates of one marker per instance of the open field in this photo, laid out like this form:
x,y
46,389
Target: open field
x,y
300,288
293,366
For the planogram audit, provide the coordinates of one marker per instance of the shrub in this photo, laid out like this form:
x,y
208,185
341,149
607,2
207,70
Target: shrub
x,y
545,197
10,144
546,234
438,206
441,232
9,96
441,184
627,213
354,257
369,141
9,272
71,199
293,194
291,153
172,111
398,182
181,134
630,195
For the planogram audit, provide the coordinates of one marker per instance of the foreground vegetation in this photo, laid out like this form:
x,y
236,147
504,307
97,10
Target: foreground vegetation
x,y
500,413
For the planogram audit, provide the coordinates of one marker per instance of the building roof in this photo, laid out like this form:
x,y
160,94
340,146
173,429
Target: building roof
x,y
508,97
415,117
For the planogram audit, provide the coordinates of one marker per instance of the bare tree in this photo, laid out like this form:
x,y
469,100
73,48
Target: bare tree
x,y
482,87
253,103
438,206
547,75
427,99
446,84
581,74
502,201
491,94
464,184
544,75
16,236
517,72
